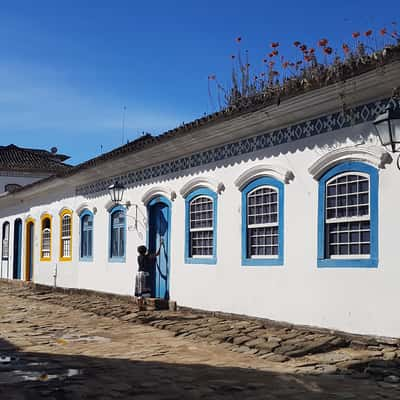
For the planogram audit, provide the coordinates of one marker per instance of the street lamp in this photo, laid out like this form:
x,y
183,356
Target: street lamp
x,y
116,191
388,128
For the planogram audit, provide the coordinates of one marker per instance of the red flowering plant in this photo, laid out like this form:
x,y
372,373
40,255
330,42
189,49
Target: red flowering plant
x,y
314,67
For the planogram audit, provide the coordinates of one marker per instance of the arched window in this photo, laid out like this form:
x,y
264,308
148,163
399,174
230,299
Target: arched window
x,y
45,239
201,227
348,216
5,241
86,240
262,222
66,235
117,234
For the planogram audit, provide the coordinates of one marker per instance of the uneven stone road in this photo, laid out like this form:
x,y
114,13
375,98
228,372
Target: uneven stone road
x,y
56,346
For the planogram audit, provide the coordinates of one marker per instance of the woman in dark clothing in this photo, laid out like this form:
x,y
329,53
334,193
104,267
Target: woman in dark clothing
x,y
146,264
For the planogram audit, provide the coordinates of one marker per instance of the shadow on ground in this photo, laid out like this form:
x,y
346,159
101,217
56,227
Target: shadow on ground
x,y
30,376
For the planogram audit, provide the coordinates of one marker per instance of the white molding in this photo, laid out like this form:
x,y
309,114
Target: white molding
x,y
374,155
158,191
65,209
275,171
82,207
199,182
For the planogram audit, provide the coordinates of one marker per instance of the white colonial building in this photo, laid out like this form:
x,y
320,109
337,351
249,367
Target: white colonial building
x,y
286,211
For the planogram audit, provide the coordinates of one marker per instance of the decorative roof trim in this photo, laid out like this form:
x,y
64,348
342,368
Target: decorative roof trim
x,y
374,155
199,182
275,171
158,191
314,127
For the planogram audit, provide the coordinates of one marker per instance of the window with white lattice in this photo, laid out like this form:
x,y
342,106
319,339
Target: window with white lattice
x,y
263,223
347,216
46,239
66,236
201,227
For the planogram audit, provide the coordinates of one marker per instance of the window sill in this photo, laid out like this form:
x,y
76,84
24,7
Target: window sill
x,y
348,263
86,259
116,259
262,262
201,260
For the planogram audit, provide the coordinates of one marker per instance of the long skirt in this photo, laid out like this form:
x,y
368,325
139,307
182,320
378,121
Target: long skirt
x,y
142,284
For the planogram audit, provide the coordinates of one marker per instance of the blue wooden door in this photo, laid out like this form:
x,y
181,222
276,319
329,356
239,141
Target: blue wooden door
x,y
17,249
159,229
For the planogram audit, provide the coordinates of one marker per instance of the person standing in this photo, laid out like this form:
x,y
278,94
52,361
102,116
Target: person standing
x,y
146,265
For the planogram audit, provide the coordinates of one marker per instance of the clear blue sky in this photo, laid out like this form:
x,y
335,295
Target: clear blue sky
x,y
67,69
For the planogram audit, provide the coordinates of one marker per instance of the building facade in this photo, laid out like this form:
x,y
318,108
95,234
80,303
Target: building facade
x,y
285,211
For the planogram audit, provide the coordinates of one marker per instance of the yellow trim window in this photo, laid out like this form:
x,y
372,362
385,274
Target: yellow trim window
x,y
45,238
66,235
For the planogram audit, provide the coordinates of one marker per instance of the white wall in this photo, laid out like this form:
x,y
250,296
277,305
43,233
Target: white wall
x,y
358,300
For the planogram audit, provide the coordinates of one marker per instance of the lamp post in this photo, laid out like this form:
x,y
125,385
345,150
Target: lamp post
x,y
388,128
116,191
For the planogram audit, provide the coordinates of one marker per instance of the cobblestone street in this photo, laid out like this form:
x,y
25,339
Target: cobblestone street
x,y
55,345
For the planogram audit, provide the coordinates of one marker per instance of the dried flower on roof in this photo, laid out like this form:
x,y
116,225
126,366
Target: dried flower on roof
x,y
296,43
383,31
285,64
328,50
355,35
271,63
275,52
368,33
274,45
346,48
303,47
212,77
312,51
238,39
322,42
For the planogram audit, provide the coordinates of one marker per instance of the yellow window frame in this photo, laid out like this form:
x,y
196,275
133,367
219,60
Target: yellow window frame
x,y
63,213
42,219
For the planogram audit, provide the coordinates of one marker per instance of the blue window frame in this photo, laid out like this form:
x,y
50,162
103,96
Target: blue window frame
x,y
86,239
117,234
348,216
201,227
262,222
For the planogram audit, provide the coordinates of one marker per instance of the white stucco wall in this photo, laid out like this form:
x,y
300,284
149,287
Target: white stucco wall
x,y
358,300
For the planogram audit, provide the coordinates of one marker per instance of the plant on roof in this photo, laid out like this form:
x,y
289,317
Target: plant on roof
x,y
316,66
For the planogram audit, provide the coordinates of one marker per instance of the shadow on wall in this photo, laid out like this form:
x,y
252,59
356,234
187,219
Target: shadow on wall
x,y
26,375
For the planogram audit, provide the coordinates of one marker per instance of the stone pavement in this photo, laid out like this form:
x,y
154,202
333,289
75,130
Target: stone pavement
x,y
58,345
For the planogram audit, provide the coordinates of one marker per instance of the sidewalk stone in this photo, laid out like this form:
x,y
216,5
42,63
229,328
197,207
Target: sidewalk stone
x,y
297,349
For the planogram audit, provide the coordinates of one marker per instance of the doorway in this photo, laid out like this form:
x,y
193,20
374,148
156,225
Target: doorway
x,y
17,249
159,212
30,228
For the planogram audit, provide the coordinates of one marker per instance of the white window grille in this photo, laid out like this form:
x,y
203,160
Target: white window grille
x,y
263,223
66,236
46,238
201,227
5,241
347,216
